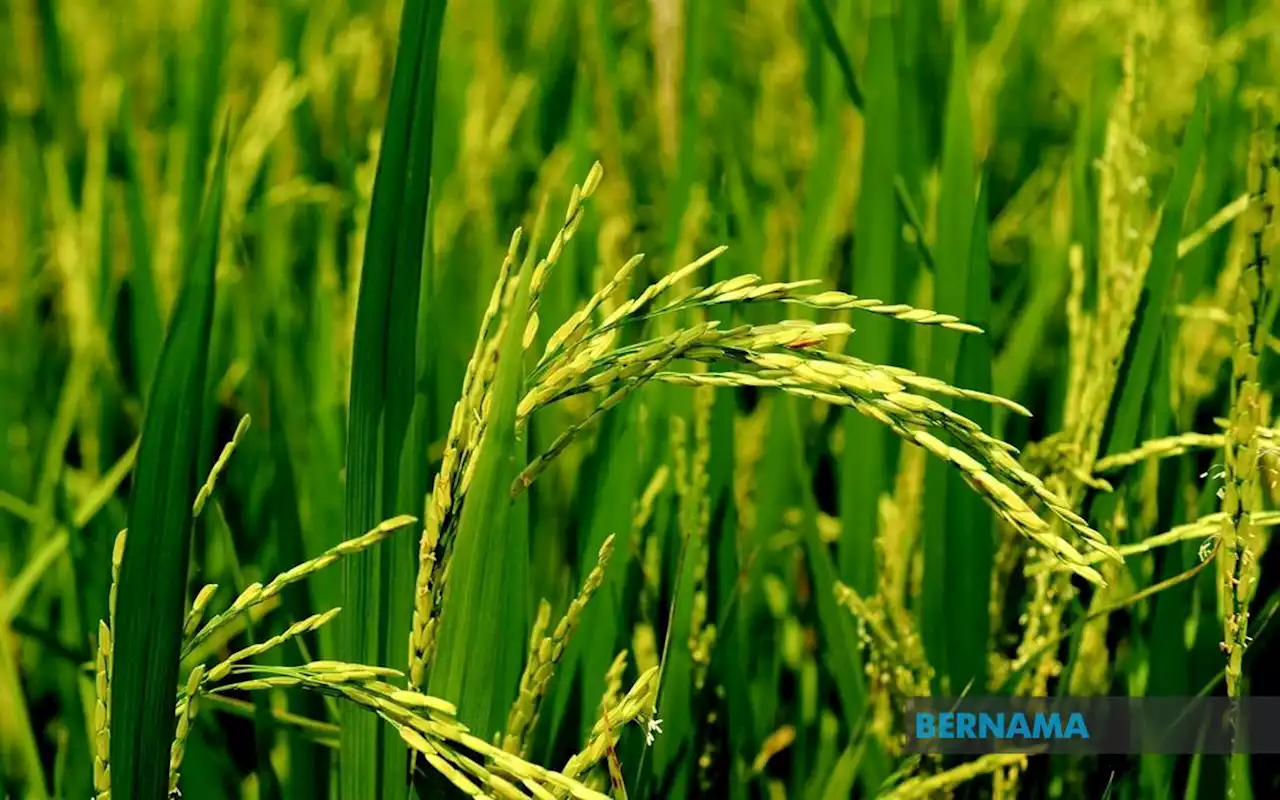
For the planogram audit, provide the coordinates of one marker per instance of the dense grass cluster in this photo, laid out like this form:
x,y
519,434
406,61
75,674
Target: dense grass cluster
x,y
579,398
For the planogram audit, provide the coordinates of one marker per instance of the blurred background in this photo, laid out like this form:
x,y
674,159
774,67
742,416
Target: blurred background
x,y
1007,161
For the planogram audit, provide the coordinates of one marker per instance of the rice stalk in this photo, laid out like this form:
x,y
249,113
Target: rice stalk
x,y
943,782
257,594
1239,572
426,723
1163,447
102,716
696,516
1207,528
186,713
211,482
1114,337
223,668
637,705
1223,217
476,667
544,654
877,392
609,701
449,488
897,668
572,219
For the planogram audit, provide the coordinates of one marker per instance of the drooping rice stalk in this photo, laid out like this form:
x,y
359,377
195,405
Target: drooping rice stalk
x,y
932,785
426,723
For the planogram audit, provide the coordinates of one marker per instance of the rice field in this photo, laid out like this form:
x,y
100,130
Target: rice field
x,y
628,398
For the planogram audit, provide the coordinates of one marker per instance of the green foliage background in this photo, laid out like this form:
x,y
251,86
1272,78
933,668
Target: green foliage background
x,y
1071,177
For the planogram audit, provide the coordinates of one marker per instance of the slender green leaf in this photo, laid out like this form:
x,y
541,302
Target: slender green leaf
x,y
971,547
148,322
153,575
849,79
957,528
867,468
374,761
200,93
481,646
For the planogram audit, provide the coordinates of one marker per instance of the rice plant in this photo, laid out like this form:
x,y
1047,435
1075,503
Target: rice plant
x,y
627,399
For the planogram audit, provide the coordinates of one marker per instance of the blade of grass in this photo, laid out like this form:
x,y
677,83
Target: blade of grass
x,y
1222,174
57,541
1164,638
1012,368
675,689
866,468
144,310
201,88
777,487
602,616
730,652
831,37
849,79
479,655
675,698
374,762
954,516
971,548
819,225
154,571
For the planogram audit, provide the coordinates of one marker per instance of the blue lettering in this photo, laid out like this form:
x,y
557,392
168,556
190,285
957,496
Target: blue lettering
x,y
1076,726
1047,726
926,726
947,725
991,725
987,725
1018,726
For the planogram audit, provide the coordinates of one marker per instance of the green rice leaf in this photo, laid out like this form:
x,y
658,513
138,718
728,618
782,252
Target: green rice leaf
x,y
849,79
383,370
867,469
153,575
201,89
955,517
971,548
481,646
831,37
148,322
